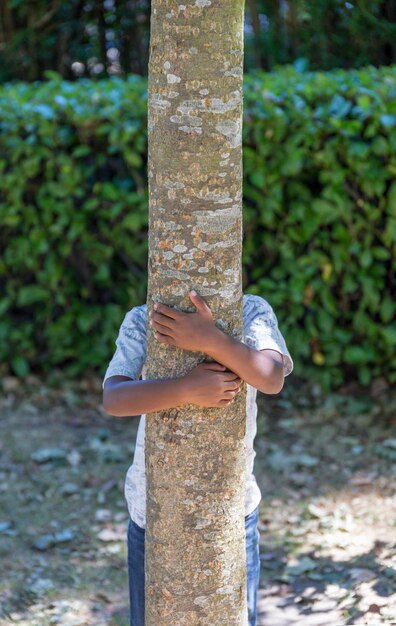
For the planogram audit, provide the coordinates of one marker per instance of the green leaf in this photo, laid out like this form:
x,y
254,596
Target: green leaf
x,y
258,179
389,334
53,76
355,354
81,151
134,159
20,366
380,146
387,309
364,375
32,293
339,106
133,222
366,258
389,121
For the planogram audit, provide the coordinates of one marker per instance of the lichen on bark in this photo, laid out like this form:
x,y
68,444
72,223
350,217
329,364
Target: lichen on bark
x,y
195,458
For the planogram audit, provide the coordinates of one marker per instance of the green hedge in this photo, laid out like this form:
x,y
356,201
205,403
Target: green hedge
x,y
320,218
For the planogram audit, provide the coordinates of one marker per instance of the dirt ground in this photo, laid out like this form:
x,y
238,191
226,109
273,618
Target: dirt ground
x,y
326,466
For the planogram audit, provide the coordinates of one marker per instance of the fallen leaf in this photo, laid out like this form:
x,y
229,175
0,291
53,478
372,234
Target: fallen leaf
x,y
361,575
306,460
316,511
43,455
305,564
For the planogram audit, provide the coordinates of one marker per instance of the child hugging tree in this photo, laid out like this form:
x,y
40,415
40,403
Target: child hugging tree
x,y
261,359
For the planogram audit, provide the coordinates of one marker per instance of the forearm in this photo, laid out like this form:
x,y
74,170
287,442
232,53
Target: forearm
x,y
135,397
255,367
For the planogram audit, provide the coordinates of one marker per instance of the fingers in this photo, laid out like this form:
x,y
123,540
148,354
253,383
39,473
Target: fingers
x,y
229,395
225,402
228,398
228,376
233,385
160,319
217,367
162,338
162,325
166,310
199,302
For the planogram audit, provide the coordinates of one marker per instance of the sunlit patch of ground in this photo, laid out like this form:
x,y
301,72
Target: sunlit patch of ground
x,y
328,514
325,465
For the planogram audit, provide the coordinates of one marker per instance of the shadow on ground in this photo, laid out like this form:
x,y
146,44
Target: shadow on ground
x,y
325,466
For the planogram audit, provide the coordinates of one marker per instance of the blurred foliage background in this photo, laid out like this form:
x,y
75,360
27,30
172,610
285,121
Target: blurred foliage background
x,y
319,146
100,38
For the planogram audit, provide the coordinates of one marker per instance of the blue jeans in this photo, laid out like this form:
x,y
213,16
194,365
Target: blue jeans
x,y
136,569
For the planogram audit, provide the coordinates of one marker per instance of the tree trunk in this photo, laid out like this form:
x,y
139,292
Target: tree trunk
x,y
195,458
101,24
255,18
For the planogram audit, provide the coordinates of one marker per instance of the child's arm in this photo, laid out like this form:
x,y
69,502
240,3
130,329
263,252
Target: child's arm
x,y
207,384
263,369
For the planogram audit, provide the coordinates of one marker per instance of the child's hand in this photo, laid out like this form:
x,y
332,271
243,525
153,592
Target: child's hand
x,y
210,385
191,331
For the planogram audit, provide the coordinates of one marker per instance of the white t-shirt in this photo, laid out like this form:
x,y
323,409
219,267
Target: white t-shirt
x,y
260,331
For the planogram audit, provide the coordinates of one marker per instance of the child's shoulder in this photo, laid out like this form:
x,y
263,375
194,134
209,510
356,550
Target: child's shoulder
x,y
255,304
136,318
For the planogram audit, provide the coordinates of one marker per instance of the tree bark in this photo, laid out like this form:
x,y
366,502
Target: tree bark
x,y
195,458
